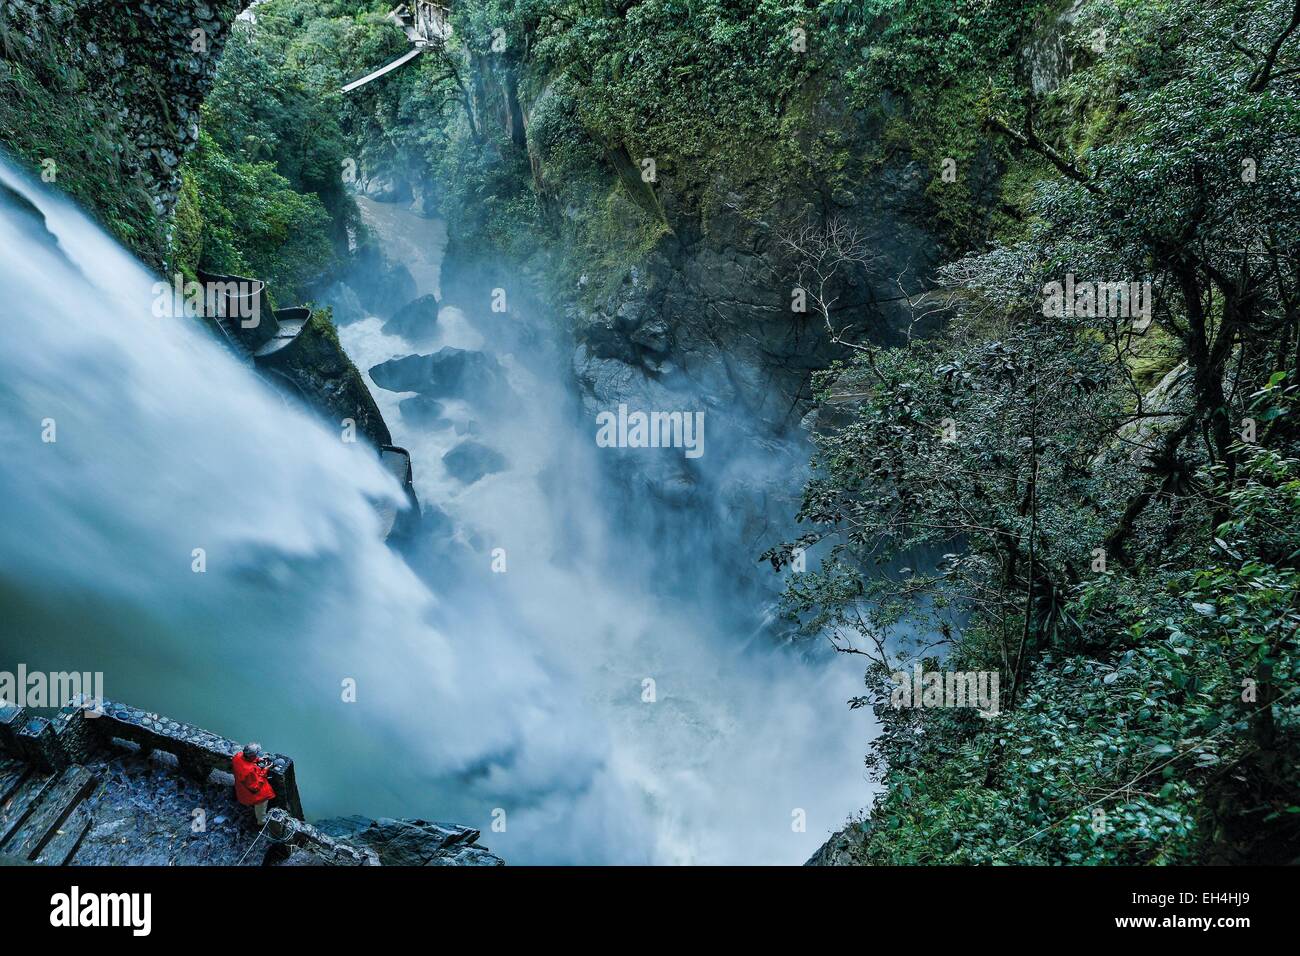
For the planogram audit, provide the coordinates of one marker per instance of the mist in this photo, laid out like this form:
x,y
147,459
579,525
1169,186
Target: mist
x,y
511,700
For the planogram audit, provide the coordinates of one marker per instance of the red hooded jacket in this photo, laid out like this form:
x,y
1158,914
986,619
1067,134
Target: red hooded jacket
x,y
251,785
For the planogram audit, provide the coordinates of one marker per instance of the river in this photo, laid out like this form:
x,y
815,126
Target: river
x,y
573,706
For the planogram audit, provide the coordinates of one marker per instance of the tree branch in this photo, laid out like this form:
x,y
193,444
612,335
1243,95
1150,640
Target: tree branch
x,y
1264,72
1029,140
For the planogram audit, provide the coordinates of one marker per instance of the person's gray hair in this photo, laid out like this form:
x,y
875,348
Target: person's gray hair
x,y
252,750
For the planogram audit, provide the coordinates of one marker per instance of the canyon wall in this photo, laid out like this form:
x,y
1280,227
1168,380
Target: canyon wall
x,y
102,99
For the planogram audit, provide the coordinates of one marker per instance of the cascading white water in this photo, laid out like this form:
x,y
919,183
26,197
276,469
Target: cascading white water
x,y
519,692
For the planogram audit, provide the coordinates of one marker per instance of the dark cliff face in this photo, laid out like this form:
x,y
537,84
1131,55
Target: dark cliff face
x,y
326,377
119,85
698,303
712,304
675,282
678,299
702,315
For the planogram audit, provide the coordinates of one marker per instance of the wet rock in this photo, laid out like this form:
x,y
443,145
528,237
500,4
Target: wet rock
x,y
424,202
447,373
326,377
653,336
386,187
412,842
30,219
382,286
142,815
437,522
398,288
470,460
417,321
842,849
133,71
344,303
1050,56
421,411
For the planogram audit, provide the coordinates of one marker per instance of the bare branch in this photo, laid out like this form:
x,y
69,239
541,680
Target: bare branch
x,y
821,256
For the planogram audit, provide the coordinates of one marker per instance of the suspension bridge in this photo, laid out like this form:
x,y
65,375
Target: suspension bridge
x,y
426,25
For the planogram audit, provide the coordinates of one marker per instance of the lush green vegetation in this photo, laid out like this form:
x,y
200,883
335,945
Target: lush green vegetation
x,y
246,219
52,123
264,191
267,189
1126,559
1104,511
1122,556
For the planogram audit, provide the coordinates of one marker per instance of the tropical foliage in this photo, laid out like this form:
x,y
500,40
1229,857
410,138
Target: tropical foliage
x,y
1125,556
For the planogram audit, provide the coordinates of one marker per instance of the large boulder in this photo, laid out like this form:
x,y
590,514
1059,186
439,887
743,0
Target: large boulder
x,y
419,411
417,321
382,286
387,187
470,460
324,375
447,373
344,303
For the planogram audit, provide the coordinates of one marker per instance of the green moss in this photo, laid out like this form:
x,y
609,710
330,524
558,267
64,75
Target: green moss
x,y
321,324
1154,355
187,231
49,122
322,365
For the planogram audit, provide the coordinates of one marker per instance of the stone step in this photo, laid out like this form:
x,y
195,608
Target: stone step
x,y
15,811
12,773
54,807
66,840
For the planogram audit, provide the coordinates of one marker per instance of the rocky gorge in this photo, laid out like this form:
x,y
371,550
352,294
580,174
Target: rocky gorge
x,y
461,412
818,235
690,305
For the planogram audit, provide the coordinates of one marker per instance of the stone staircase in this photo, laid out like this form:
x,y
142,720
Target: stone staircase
x,y
42,816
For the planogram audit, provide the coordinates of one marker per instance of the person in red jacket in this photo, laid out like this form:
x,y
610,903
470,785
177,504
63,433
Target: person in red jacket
x,y
252,788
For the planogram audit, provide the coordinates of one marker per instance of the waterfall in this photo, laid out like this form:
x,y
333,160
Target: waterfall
x,y
133,443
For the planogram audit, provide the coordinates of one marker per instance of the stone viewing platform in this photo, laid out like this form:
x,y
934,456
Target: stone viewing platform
x,y
122,786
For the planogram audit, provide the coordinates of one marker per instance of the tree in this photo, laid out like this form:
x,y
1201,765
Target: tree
x,y
1124,553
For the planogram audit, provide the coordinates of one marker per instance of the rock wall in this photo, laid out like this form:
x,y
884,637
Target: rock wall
x,y
699,317
412,842
326,377
709,310
673,303
706,307
145,67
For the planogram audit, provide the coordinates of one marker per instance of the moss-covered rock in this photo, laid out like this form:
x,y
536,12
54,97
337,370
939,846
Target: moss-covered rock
x,y
316,363
101,98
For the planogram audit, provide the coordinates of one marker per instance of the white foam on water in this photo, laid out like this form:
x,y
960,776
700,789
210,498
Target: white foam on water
x,y
520,692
